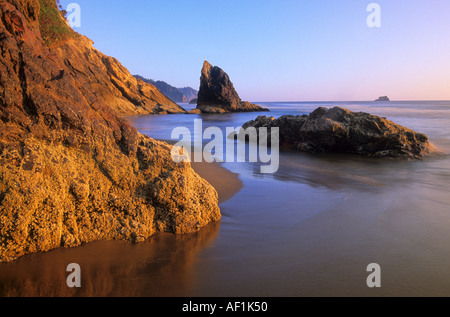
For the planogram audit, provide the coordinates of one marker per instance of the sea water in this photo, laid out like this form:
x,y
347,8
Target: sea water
x,y
311,229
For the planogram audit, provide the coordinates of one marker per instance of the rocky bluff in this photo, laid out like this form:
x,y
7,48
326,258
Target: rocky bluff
x,y
217,93
71,169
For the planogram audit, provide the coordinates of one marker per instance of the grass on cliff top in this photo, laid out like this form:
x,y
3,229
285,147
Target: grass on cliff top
x,y
54,29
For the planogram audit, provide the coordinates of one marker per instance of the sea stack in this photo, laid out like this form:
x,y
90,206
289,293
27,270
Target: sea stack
x,y
341,130
72,171
217,93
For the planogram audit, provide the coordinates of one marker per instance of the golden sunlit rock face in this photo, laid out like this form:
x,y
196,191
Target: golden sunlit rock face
x,y
71,170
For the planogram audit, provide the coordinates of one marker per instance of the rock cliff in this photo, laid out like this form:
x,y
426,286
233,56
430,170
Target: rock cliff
x,y
217,93
71,169
341,130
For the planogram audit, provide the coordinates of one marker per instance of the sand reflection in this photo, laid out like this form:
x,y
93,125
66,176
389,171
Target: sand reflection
x,y
160,267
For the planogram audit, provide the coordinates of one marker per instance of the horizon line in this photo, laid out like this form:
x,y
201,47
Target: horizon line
x,y
324,101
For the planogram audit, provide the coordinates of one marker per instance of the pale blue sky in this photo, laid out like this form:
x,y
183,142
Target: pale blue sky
x,y
285,50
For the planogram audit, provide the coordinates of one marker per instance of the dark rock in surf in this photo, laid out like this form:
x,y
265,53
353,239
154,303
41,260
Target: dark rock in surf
x,y
341,130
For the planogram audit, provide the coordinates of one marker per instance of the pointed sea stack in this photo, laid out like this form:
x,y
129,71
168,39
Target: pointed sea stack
x,y
217,93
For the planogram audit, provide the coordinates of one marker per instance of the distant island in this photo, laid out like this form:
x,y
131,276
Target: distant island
x,y
383,98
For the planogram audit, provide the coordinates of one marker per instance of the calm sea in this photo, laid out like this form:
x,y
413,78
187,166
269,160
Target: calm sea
x,y
311,229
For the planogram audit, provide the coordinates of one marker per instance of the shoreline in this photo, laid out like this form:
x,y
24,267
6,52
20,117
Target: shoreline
x,y
226,183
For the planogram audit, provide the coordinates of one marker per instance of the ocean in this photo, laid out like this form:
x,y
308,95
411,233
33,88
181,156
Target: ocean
x,y
310,229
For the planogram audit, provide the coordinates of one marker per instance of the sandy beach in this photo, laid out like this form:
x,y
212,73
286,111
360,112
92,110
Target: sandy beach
x,y
225,182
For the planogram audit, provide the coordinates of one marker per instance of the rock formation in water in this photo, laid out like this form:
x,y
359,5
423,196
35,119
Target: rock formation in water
x,y
217,93
383,98
341,130
71,169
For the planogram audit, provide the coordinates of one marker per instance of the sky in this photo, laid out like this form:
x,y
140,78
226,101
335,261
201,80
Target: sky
x,y
285,50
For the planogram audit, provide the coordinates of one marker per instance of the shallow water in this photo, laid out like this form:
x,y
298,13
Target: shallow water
x,y
311,229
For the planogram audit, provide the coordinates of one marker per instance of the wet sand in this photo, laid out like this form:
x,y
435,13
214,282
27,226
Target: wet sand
x,y
312,228
225,182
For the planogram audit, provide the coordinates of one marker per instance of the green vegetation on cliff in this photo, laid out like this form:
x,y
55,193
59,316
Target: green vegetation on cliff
x,y
54,29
